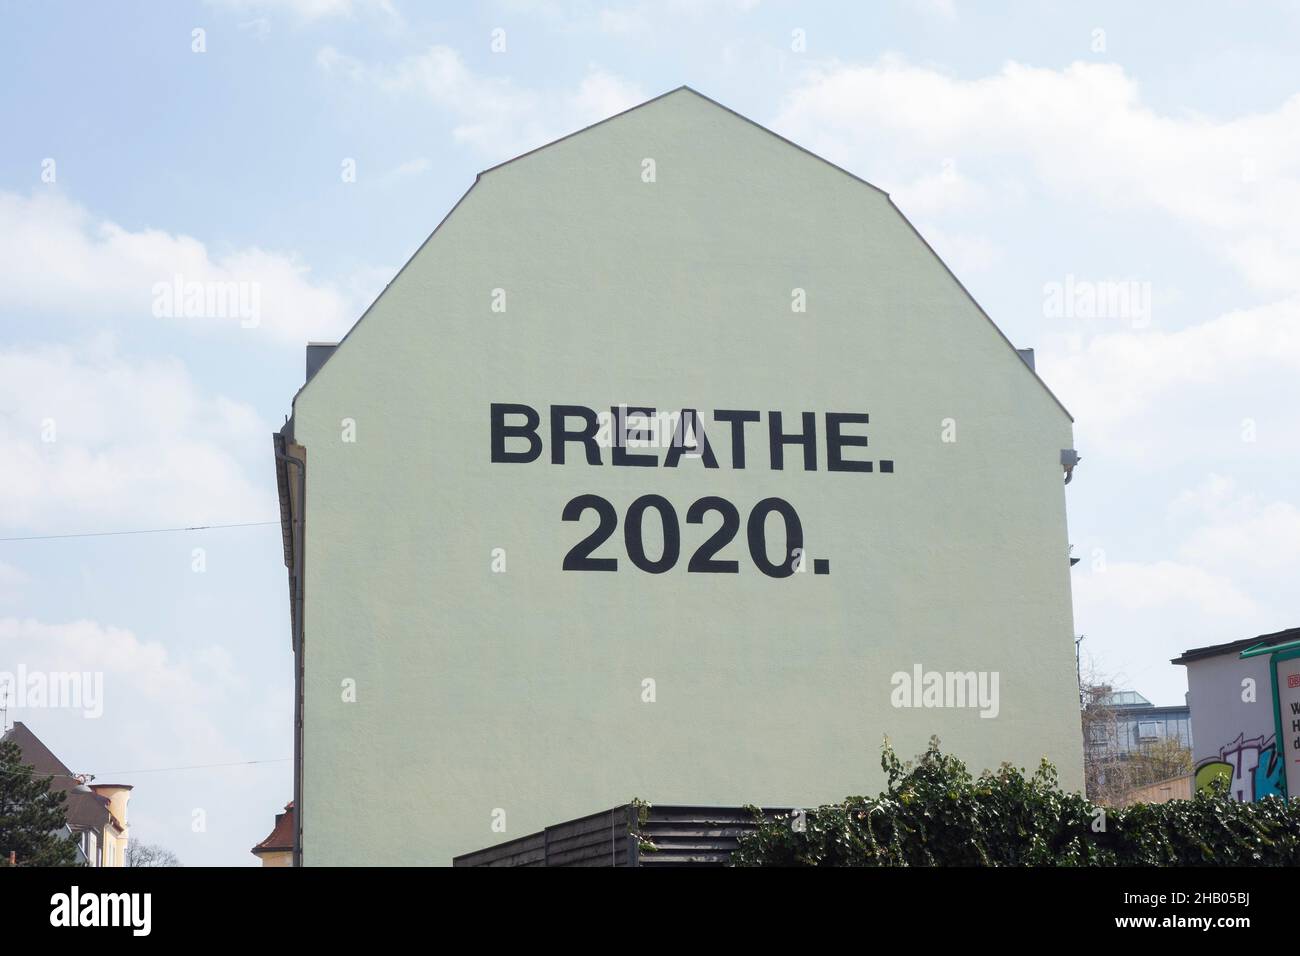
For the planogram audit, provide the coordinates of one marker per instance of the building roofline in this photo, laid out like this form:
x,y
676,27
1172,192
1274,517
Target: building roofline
x,y
975,302
686,89
770,132
43,761
275,841
1231,647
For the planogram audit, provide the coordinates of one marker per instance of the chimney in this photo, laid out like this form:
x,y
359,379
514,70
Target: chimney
x,y
317,354
117,795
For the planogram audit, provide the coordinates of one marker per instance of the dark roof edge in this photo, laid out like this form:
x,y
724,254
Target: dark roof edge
x,y
835,166
36,754
1215,650
975,302
707,99
281,441
755,123
535,149
397,275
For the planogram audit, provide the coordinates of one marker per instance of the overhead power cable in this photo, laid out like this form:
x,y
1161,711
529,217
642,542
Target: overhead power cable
x,y
27,771
106,534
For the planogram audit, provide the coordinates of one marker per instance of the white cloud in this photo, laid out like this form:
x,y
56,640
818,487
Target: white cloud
x,y
133,670
59,259
1149,393
945,10
92,442
1171,390
623,20
1240,533
491,113
1082,131
13,583
402,171
1141,365
259,27
965,255
1237,557
630,18
309,11
412,167
1131,586
1139,616
945,189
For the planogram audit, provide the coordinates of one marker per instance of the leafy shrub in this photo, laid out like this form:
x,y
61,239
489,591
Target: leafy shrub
x,y
934,813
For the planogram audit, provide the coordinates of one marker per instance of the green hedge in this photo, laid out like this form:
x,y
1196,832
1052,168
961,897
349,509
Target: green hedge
x,y
934,813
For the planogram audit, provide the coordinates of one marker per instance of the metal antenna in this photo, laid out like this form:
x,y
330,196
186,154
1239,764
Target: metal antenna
x,y
4,707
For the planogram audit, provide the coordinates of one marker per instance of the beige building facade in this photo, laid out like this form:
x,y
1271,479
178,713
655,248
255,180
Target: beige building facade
x,y
674,465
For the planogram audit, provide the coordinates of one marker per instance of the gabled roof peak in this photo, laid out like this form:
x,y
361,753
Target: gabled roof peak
x,y
679,91
698,95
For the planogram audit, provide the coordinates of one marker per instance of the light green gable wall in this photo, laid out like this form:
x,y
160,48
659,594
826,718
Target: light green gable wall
x,y
522,690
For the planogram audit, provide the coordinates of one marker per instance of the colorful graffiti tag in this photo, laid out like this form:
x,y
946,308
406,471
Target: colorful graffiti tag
x,y
1251,769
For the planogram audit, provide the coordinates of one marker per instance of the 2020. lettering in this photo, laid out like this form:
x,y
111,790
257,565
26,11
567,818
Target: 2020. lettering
x,y
645,437
704,560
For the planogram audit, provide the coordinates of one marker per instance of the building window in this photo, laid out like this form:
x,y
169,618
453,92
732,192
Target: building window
x,y
1148,730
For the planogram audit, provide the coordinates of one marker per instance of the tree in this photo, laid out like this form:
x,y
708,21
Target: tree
x,y
150,854
32,817
935,812
1105,778
1159,760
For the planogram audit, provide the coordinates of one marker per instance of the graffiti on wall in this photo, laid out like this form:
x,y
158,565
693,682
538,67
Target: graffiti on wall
x,y
1250,767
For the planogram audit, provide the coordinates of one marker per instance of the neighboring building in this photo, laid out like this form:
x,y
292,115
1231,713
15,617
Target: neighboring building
x,y
1233,721
1139,724
277,848
96,813
492,634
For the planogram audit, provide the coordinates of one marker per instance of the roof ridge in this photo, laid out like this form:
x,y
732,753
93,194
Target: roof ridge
x,y
27,741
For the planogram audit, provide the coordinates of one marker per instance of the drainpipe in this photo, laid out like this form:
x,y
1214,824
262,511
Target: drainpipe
x,y
300,560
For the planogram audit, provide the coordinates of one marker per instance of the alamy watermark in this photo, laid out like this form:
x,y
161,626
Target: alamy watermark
x,y
1127,300
956,689
75,908
630,427
179,299
70,690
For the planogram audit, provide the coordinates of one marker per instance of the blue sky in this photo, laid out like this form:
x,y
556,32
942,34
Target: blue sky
x,y
1032,143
